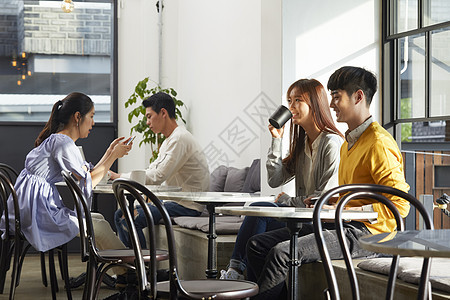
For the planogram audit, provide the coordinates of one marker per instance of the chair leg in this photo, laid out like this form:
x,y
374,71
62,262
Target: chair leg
x,y
43,271
53,281
89,285
21,259
17,253
5,259
61,271
98,282
64,268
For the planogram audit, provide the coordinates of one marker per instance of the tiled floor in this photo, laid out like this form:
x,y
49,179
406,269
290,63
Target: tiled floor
x,y
31,286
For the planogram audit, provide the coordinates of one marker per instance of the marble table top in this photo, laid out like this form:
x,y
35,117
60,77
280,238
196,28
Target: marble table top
x,y
214,197
107,188
424,243
293,212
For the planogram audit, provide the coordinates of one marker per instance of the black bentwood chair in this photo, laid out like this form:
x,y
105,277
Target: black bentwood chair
x,y
100,261
376,193
8,241
15,241
175,288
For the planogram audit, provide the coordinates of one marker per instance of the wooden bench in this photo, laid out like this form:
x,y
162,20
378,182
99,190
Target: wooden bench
x,y
371,285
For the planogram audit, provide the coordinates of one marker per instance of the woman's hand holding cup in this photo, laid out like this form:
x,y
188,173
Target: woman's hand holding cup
x,y
276,133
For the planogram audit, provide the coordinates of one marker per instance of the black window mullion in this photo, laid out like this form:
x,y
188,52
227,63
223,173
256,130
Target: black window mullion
x,y
427,73
420,11
384,23
396,79
418,31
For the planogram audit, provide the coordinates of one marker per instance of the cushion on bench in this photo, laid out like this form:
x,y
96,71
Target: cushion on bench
x,y
231,179
224,224
409,270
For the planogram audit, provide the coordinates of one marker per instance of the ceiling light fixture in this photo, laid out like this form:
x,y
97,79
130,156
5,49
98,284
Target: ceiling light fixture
x,y
67,6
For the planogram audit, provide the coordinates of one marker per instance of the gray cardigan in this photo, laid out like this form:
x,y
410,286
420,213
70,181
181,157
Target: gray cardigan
x,y
325,169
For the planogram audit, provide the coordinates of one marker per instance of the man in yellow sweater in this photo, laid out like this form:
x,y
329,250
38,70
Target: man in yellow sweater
x,y
369,155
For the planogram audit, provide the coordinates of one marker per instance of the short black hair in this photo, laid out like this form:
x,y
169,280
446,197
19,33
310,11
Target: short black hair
x,y
351,79
161,100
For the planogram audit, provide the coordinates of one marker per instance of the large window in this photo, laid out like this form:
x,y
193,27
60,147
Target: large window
x,y
416,69
416,93
46,53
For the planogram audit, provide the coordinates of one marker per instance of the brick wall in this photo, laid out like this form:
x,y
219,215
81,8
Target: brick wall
x,y
49,30
11,27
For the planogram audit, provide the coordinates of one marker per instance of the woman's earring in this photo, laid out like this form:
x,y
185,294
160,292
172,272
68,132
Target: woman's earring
x,y
78,124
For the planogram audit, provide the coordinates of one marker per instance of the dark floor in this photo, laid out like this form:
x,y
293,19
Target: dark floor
x,y
31,286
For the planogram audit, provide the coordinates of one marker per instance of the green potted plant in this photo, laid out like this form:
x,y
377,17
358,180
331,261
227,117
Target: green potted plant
x,y
141,92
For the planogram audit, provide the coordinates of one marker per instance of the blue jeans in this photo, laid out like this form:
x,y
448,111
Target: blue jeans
x,y
250,227
174,209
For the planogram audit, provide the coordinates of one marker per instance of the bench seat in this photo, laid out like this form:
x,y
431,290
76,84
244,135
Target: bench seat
x,y
192,250
371,285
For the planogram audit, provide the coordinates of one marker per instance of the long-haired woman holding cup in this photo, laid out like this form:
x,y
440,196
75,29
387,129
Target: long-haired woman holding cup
x,y
312,161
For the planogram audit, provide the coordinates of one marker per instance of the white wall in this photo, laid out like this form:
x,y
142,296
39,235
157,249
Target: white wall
x,y
232,60
321,36
138,58
225,67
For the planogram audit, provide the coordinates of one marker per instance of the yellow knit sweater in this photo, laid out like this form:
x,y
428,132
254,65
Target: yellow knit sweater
x,y
375,158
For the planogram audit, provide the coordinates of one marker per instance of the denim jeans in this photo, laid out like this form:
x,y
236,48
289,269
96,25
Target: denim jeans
x,y
268,254
174,209
250,227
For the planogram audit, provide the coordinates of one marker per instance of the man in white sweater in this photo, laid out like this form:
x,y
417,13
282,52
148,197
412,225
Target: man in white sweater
x,y
180,162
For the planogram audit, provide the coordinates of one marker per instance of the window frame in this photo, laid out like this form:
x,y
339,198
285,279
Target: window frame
x,y
390,65
114,78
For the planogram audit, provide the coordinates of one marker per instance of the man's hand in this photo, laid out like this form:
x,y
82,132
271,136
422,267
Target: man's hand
x,y
308,202
279,195
331,203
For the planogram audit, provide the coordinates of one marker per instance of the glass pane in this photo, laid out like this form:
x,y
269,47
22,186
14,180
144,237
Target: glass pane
x,y
440,73
436,11
425,132
412,77
46,54
405,12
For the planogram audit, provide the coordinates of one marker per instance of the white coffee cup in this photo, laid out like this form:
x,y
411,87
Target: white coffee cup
x,y
105,178
138,176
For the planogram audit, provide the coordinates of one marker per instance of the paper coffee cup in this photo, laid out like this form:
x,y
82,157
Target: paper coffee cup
x,y
138,176
280,117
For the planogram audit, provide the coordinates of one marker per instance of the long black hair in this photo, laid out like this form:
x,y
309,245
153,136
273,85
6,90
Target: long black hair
x,y
62,111
318,102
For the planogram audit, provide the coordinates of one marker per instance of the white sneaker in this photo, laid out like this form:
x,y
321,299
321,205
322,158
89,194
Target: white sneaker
x,y
231,274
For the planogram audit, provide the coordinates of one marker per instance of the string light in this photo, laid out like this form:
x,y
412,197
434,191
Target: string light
x,y
67,6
